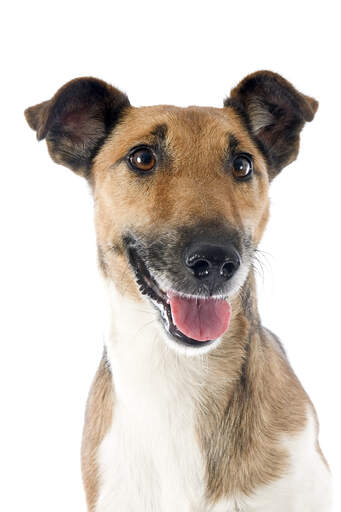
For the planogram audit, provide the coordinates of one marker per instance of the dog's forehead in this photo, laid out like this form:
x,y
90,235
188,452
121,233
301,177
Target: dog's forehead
x,y
182,127
190,118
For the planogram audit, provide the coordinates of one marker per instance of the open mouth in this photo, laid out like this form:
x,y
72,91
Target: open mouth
x,y
189,320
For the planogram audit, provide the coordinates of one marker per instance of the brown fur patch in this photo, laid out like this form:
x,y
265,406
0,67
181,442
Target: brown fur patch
x,y
98,418
242,419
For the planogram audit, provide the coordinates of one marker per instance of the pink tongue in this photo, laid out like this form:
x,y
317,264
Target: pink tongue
x,y
200,319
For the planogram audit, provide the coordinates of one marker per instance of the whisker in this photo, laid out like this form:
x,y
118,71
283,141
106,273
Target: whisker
x,y
260,263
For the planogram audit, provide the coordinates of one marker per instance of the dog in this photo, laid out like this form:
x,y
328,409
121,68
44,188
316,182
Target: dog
x,y
194,406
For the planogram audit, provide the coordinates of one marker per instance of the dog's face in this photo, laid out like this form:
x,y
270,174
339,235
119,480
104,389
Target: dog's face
x,y
181,202
181,195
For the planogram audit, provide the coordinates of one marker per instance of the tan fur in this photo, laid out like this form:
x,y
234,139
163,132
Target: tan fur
x,y
98,418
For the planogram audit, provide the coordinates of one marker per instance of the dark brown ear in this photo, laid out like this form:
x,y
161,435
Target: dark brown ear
x,y
275,113
76,121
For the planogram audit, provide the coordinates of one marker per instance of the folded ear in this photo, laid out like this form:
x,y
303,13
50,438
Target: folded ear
x,y
275,113
76,121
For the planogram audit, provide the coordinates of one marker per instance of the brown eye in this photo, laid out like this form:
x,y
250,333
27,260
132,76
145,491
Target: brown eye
x,y
142,159
242,167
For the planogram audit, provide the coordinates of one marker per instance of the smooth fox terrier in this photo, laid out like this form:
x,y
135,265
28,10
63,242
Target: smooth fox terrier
x,y
194,407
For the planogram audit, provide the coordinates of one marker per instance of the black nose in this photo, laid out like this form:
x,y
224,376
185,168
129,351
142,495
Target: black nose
x,y
218,263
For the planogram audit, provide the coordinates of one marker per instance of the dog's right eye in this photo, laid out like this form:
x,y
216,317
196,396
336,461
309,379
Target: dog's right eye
x,y
242,167
142,159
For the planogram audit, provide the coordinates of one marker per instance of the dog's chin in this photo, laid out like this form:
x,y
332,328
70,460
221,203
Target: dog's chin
x,y
194,348
173,336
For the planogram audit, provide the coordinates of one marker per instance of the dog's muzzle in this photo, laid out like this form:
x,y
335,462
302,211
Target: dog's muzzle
x,y
187,275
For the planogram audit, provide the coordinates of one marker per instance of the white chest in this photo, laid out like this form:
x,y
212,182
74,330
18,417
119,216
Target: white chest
x,y
150,466
150,459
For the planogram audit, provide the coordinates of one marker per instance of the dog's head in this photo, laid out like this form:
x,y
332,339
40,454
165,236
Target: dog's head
x,y
181,194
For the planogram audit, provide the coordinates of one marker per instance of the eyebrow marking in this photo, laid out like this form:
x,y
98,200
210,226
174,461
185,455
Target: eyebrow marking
x,y
233,143
160,131
157,137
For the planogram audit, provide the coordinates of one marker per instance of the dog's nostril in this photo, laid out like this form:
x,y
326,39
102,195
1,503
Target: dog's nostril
x,y
228,269
199,266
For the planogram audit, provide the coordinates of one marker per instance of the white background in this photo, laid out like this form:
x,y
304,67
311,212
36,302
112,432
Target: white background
x,y
51,328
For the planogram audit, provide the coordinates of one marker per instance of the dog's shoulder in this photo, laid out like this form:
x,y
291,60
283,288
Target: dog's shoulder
x,y
306,483
98,418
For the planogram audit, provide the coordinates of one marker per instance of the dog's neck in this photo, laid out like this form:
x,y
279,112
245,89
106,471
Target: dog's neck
x,y
139,355
170,396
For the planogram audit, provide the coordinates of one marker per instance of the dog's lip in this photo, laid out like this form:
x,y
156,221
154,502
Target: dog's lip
x,y
146,282
148,286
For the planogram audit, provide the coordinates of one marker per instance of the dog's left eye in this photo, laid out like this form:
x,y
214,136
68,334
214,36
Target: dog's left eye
x,y
142,159
242,166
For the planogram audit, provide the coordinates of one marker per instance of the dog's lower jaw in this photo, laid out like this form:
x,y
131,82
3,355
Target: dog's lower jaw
x,y
129,317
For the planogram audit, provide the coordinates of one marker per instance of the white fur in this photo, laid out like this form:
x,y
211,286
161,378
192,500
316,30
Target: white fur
x,y
149,460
